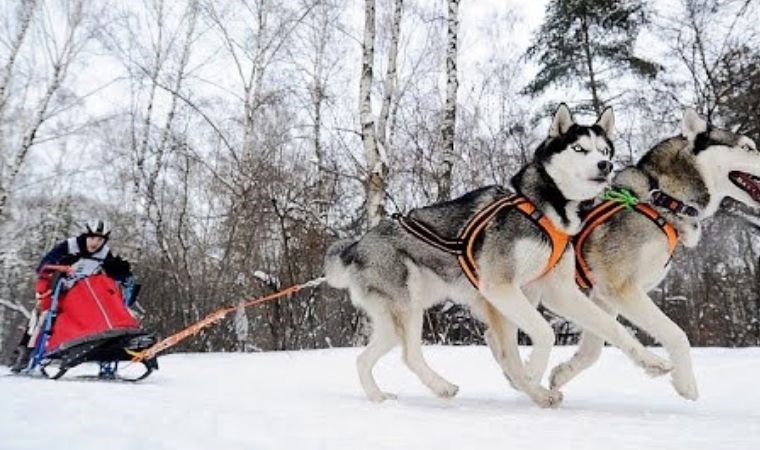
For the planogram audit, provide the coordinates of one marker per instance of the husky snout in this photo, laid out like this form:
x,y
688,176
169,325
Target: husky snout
x,y
605,167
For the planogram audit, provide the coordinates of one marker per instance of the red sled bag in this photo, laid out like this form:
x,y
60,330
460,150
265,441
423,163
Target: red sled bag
x,y
92,309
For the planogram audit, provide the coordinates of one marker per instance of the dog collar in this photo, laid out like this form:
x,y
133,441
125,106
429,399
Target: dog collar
x,y
660,198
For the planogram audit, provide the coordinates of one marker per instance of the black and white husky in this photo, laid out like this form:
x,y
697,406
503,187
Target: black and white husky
x,y
628,255
394,275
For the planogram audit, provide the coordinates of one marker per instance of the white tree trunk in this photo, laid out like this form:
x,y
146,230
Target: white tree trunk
x,y
167,131
25,20
60,66
377,163
450,111
242,326
141,150
317,88
390,90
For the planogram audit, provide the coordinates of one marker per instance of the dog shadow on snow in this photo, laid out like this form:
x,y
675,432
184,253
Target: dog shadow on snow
x,y
625,407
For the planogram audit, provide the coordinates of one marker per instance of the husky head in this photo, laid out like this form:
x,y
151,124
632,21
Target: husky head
x,y
577,157
728,162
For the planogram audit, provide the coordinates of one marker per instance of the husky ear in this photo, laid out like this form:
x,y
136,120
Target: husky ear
x,y
692,124
607,122
562,121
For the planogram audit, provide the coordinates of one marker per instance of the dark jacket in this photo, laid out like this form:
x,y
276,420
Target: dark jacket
x,y
71,250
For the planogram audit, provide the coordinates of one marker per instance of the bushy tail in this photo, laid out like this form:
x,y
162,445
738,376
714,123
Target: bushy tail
x,y
335,271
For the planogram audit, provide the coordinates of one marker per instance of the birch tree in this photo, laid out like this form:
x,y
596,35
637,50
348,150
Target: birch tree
x,y
166,135
450,108
377,159
390,85
24,18
62,45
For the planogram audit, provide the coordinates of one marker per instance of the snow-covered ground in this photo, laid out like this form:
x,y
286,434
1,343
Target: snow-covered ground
x,y
312,400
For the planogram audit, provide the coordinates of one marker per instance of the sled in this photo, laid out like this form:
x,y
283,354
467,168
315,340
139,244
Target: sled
x,y
89,321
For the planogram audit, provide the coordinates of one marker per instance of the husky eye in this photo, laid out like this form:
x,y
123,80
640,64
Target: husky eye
x,y
577,148
748,148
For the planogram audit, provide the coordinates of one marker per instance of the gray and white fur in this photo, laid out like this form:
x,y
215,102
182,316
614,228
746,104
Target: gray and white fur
x,y
628,255
394,276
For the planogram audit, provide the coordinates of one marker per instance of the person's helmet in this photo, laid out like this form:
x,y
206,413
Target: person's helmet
x,y
97,227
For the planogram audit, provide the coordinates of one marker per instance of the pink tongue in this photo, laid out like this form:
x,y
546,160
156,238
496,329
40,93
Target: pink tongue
x,y
754,192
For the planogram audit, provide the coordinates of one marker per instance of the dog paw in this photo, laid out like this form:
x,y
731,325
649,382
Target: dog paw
x,y
686,387
378,397
560,375
447,391
656,366
546,398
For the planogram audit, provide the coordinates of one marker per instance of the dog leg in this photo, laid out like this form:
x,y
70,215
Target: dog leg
x,y
411,324
384,338
569,301
497,334
501,335
510,301
639,308
501,338
589,350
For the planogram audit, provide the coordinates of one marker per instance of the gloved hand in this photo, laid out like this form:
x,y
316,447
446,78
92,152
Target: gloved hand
x,y
49,270
117,268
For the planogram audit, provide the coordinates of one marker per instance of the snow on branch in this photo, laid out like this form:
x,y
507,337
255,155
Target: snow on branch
x,y
269,280
16,307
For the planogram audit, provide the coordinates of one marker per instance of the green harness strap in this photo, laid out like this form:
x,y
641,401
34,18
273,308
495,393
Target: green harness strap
x,y
621,195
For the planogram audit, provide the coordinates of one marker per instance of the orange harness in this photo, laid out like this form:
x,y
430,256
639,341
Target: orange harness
x,y
601,214
462,246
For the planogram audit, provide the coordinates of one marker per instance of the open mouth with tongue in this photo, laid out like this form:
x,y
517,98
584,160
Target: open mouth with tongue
x,y
746,182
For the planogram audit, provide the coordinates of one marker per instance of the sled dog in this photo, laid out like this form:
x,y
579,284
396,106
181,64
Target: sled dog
x,y
628,255
491,249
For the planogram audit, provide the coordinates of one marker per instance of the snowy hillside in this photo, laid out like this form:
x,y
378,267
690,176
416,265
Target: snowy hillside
x,y
312,400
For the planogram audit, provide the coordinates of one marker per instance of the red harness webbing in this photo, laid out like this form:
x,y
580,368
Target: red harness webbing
x,y
600,214
463,245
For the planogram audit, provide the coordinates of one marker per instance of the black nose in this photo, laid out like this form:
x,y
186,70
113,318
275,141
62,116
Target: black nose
x,y
605,167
